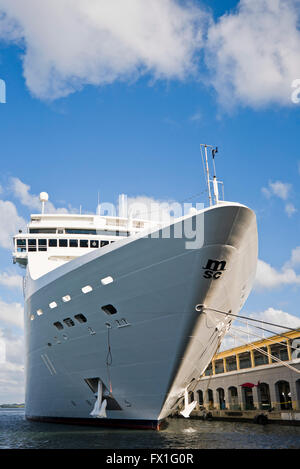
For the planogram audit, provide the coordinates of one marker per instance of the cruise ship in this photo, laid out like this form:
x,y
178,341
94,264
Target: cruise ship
x,y
123,315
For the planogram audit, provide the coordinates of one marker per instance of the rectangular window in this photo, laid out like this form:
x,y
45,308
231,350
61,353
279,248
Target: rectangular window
x,y
260,358
63,243
208,371
245,360
231,363
69,322
109,309
219,366
21,245
279,350
42,230
52,243
73,243
32,245
58,325
94,243
80,318
42,244
84,243
104,243
108,232
80,231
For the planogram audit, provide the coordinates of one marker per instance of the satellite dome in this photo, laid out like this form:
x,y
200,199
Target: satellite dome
x,y
44,196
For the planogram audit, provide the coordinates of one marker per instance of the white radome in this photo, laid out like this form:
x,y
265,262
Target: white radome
x,y
44,197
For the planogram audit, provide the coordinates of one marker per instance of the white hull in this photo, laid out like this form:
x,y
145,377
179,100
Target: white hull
x,y
166,344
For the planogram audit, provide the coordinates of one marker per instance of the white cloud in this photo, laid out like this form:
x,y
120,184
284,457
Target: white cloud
x,y
282,190
153,209
276,316
75,42
294,261
278,188
11,280
290,209
269,278
11,367
243,331
22,192
10,223
11,313
254,53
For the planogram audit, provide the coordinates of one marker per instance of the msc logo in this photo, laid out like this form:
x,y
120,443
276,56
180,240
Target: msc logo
x,y
214,269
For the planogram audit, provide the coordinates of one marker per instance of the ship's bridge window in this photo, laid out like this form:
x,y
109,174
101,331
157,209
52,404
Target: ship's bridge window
x,y
108,233
104,243
80,231
94,243
63,243
73,243
21,245
42,230
42,244
52,243
32,245
84,243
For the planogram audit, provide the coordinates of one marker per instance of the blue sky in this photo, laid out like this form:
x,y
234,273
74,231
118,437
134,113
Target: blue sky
x,y
128,114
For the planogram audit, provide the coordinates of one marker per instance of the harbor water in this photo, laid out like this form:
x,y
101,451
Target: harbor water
x,y
18,433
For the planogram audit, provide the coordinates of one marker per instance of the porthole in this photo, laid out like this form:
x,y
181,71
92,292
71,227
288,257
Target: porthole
x,y
87,289
39,312
66,298
53,305
107,280
69,322
80,318
58,325
109,309
32,317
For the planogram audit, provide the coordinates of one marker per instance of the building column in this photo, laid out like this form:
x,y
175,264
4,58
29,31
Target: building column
x,y
288,344
269,354
252,359
293,391
273,395
240,397
255,394
227,400
205,398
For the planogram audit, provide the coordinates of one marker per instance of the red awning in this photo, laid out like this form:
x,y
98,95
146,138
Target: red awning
x,y
248,385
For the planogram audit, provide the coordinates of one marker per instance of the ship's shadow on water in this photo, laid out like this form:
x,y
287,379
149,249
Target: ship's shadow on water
x,y
18,433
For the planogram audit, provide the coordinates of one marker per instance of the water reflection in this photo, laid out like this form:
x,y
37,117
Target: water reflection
x,y
17,432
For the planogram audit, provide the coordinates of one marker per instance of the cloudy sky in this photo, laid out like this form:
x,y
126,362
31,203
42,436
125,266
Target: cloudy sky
x,y
115,97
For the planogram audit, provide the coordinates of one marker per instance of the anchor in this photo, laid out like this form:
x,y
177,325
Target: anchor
x,y
99,410
187,407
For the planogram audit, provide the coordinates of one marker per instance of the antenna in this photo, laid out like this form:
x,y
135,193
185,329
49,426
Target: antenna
x,y
215,182
98,204
44,197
